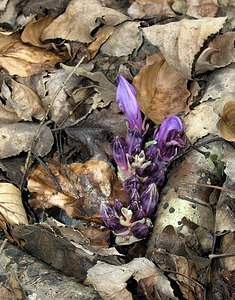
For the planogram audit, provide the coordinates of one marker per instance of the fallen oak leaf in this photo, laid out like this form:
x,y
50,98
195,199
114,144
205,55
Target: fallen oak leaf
x,y
11,207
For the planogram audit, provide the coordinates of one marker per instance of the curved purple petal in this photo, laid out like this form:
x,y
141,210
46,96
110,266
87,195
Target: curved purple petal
x,y
140,230
126,97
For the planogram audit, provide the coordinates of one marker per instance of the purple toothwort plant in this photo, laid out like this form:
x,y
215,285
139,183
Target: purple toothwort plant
x,y
142,165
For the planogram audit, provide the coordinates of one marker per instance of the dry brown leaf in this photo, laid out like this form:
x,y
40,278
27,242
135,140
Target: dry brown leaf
x,y
18,137
24,60
100,38
226,124
33,31
219,53
161,90
23,100
80,19
139,9
201,121
181,42
11,206
202,8
83,187
115,45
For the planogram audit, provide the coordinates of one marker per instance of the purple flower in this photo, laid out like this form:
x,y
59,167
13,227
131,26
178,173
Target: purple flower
x,y
149,199
126,97
170,137
119,150
110,218
140,231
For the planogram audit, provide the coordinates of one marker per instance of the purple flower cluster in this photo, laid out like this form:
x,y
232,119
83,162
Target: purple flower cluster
x,y
142,166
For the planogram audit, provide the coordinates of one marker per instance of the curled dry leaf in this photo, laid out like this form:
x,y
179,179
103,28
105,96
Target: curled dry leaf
x,y
80,19
11,207
100,38
18,137
33,31
219,53
226,124
128,31
161,90
82,187
22,59
181,42
8,114
139,9
141,269
23,100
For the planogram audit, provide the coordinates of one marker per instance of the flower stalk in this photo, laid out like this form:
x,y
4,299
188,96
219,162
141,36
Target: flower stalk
x,y
142,165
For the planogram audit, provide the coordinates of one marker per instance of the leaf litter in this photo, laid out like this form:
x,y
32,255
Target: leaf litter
x,y
59,115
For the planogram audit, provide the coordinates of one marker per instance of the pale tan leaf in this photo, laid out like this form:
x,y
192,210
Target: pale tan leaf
x,y
161,89
17,137
128,31
11,206
141,269
33,30
25,101
80,19
201,121
180,42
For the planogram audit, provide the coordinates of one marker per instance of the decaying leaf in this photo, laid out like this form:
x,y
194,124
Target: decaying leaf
x,y
18,137
161,89
101,37
219,53
141,269
42,242
25,101
33,31
181,42
80,19
227,122
11,207
115,45
82,187
22,59
140,8
8,114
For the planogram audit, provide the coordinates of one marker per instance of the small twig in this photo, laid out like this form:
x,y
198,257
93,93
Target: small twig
x,y
3,245
209,186
177,273
221,255
29,159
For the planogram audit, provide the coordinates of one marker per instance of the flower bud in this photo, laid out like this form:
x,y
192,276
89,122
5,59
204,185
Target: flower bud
x,y
149,199
119,150
140,230
126,97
